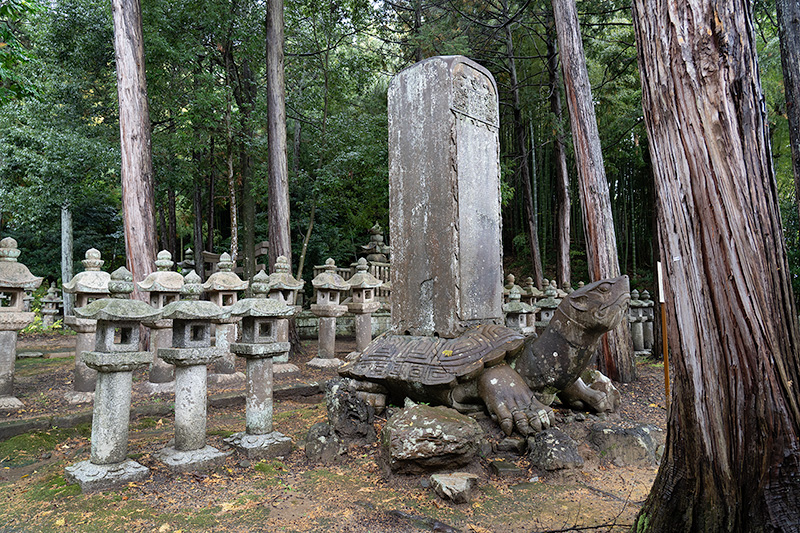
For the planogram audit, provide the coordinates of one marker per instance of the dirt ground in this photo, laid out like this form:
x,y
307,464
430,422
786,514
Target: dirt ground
x,y
290,494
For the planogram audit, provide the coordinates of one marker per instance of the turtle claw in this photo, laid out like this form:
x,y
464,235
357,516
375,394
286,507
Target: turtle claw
x,y
512,403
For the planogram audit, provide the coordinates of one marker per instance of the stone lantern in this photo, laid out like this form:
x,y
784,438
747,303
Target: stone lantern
x,y
364,302
222,288
116,355
648,313
636,319
376,251
509,286
190,353
50,303
517,313
547,306
15,279
330,286
283,287
164,287
87,286
260,343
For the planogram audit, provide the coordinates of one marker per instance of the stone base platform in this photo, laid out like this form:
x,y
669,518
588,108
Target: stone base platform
x,y
193,460
320,362
77,397
237,379
10,403
158,388
257,447
285,368
93,478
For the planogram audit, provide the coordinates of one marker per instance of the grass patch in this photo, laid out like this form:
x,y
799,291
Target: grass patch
x,y
38,365
25,449
271,468
53,488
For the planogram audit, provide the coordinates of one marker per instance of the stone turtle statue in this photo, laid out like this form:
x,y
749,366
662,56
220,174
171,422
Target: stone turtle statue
x,y
497,367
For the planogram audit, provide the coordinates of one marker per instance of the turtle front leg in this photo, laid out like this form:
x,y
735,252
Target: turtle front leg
x,y
600,396
511,402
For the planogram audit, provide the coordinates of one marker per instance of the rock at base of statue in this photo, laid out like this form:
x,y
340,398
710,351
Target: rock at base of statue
x,y
641,445
456,487
352,419
205,458
93,477
237,379
325,362
421,438
553,449
322,444
74,397
258,447
513,445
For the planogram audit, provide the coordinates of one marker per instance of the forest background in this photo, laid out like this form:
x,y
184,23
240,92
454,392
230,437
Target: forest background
x,y
59,129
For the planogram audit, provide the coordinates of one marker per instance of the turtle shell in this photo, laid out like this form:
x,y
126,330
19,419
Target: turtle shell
x,y
433,361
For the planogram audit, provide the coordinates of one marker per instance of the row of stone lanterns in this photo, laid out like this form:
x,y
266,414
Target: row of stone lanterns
x,y
116,355
330,288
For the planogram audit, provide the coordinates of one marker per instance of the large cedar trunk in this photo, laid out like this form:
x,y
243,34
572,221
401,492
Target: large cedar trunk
x,y
789,32
732,459
278,206
563,206
138,213
616,359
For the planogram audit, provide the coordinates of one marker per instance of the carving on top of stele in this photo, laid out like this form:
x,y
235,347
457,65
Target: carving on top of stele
x,y
474,95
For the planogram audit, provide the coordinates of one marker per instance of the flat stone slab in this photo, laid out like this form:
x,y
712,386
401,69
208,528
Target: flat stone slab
x,y
77,397
227,380
505,468
10,403
322,362
192,460
93,478
259,447
189,356
26,355
256,351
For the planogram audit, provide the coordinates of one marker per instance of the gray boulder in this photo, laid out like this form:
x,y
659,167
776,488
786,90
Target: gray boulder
x,y
553,449
421,438
456,487
322,444
349,415
636,446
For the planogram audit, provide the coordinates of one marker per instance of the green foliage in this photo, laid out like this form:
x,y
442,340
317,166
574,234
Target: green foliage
x,y
14,15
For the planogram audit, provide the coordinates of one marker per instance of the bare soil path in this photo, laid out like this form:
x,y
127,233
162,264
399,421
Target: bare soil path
x,y
291,494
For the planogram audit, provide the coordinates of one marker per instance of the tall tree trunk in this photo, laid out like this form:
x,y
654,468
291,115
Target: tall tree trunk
x,y
280,242
617,360
232,203
521,142
789,33
212,193
197,201
172,224
67,253
138,213
732,460
563,204
162,230
247,104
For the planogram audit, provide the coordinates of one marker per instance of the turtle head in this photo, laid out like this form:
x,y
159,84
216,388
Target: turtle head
x,y
598,306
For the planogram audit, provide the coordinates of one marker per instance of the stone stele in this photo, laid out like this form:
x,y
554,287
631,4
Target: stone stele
x,y
444,198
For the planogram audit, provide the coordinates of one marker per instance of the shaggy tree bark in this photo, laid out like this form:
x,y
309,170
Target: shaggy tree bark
x,y
138,213
563,204
616,359
732,460
278,206
789,32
